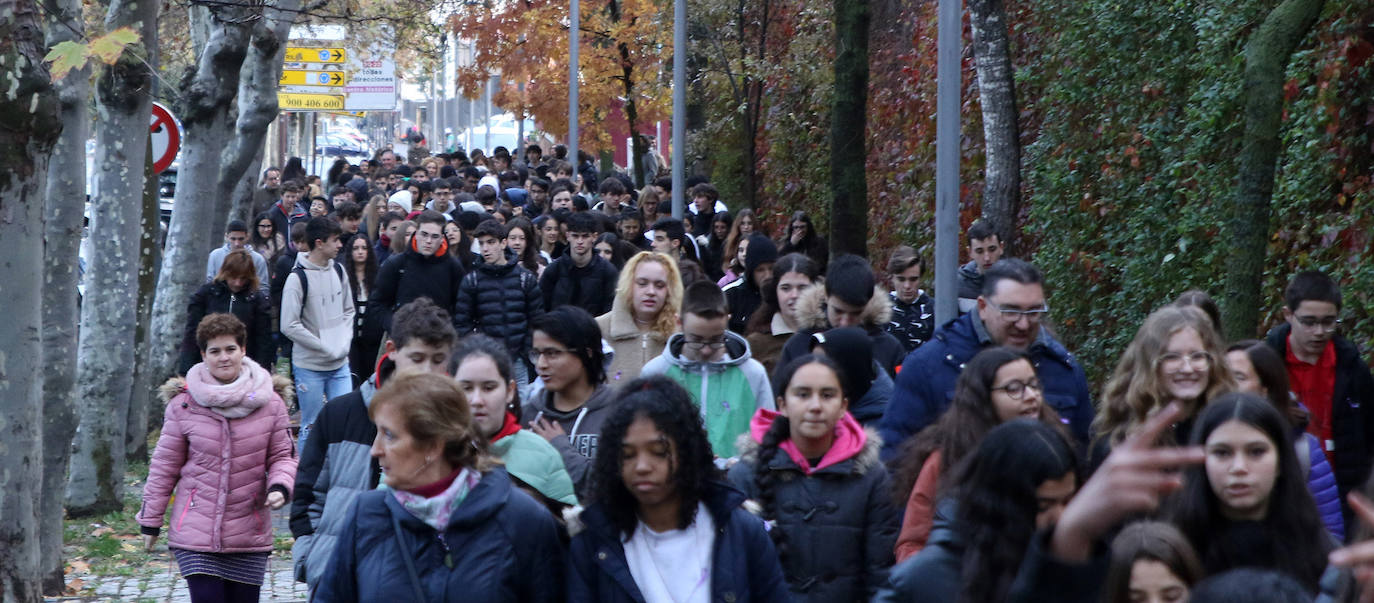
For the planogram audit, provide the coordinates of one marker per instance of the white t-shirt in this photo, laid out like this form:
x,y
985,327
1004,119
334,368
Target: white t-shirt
x,y
674,565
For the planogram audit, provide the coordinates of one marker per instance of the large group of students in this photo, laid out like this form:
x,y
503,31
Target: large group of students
x,y
518,380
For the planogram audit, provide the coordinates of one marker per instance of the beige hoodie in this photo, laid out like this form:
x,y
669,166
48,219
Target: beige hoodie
x,y
322,327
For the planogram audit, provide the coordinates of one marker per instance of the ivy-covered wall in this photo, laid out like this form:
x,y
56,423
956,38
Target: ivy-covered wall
x,y
1130,116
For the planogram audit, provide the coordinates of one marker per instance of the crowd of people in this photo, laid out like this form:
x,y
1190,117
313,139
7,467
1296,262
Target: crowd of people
x,y
518,380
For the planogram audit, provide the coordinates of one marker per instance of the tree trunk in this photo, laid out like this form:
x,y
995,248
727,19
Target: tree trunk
x,y
30,111
65,202
1001,132
848,180
142,397
257,106
109,317
207,99
1266,59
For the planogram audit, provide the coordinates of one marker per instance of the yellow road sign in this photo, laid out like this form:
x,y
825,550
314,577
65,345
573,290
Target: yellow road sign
x,y
309,102
315,55
297,77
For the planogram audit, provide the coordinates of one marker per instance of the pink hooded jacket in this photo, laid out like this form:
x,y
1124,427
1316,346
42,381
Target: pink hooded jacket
x,y
221,448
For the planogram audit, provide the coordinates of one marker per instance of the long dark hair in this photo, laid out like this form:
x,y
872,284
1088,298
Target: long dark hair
x,y
530,257
1273,376
996,487
1294,539
957,432
369,266
670,408
478,344
779,432
255,238
762,319
294,170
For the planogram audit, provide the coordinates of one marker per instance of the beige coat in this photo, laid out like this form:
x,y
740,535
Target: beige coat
x,y
633,348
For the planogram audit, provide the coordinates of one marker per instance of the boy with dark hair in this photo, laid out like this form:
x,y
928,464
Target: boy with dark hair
x,y
615,198
317,315
704,203
288,210
984,249
336,463
442,198
580,277
538,198
487,198
714,365
670,238
850,298
426,269
745,295
913,312
235,238
350,215
1328,375
499,298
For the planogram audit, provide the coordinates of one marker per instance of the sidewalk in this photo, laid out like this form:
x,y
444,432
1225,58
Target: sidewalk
x,y
158,581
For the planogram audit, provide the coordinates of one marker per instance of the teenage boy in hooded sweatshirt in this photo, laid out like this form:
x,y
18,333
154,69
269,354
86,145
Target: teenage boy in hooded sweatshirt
x,y
713,364
336,461
318,318
425,270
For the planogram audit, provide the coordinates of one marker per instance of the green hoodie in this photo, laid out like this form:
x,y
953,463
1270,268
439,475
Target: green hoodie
x,y
727,391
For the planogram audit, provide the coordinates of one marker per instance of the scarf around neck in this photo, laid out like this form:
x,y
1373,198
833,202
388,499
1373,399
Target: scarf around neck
x,y
436,510
233,400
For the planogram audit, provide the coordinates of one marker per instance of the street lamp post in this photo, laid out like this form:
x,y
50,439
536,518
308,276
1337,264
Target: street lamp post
x,y
574,35
679,105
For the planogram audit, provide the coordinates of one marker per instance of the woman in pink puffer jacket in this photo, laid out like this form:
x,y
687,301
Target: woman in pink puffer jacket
x,y
227,452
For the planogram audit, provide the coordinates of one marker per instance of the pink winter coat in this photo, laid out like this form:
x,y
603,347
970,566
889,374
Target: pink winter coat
x,y
222,447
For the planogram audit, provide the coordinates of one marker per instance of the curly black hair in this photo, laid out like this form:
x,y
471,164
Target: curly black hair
x,y
670,407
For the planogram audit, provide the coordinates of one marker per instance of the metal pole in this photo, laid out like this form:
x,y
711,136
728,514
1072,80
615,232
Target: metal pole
x,y
486,115
574,34
520,125
679,106
947,161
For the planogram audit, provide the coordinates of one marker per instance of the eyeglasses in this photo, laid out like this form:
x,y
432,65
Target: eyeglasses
x,y
1017,389
553,354
1173,361
429,236
714,344
1312,322
1013,314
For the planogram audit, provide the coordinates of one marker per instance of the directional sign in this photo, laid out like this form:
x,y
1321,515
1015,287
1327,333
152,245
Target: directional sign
x,y
295,77
310,102
315,55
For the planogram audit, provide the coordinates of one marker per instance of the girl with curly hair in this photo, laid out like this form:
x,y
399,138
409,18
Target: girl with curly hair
x,y
659,527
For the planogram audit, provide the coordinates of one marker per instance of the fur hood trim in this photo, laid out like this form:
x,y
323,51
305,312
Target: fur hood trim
x,y
811,313
177,385
867,458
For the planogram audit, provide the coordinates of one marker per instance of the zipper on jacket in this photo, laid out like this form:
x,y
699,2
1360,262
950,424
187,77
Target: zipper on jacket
x,y
232,298
448,554
186,508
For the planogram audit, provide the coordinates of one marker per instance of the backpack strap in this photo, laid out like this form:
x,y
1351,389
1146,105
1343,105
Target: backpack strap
x,y
299,271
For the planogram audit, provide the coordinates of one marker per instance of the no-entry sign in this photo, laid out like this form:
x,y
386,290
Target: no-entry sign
x,y
165,132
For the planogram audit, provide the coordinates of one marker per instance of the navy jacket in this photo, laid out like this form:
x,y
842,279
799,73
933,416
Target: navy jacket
x,y
503,546
499,301
925,385
744,567
1352,410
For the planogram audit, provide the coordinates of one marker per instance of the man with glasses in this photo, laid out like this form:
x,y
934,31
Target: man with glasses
x,y
1327,374
714,365
425,270
1010,312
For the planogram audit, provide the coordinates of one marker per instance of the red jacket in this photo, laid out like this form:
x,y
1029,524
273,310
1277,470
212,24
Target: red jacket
x,y
220,468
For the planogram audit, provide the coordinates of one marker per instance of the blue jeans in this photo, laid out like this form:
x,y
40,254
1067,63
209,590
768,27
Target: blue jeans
x,y
314,388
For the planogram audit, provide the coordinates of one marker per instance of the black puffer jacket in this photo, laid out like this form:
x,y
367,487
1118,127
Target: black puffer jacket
x,y
500,302
839,521
408,276
743,296
591,287
251,307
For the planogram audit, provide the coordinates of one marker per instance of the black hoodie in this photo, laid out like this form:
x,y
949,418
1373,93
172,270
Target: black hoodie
x,y
743,296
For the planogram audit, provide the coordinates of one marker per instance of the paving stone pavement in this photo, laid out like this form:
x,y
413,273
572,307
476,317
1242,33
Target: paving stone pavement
x,y
167,586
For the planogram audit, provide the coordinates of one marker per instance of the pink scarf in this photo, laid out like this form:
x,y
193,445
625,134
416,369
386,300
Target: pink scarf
x,y
233,400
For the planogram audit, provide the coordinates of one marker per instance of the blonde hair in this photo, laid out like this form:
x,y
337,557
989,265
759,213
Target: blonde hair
x,y
1135,390
434,409
666,322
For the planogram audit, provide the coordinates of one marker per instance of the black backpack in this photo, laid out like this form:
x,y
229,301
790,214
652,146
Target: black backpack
x,y
299,271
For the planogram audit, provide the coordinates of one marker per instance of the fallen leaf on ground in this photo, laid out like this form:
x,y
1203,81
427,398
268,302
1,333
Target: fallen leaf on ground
x,y
101,531
79,566
74,587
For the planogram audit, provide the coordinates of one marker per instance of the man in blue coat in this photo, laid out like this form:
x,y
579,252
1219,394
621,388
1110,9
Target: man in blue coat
x,y
1009,313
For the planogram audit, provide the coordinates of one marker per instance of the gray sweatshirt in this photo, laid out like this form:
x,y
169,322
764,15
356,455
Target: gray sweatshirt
x,y
322,327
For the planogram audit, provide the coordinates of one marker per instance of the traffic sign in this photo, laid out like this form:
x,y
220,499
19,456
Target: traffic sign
x,y
315,55
310,102
296,77
165,132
